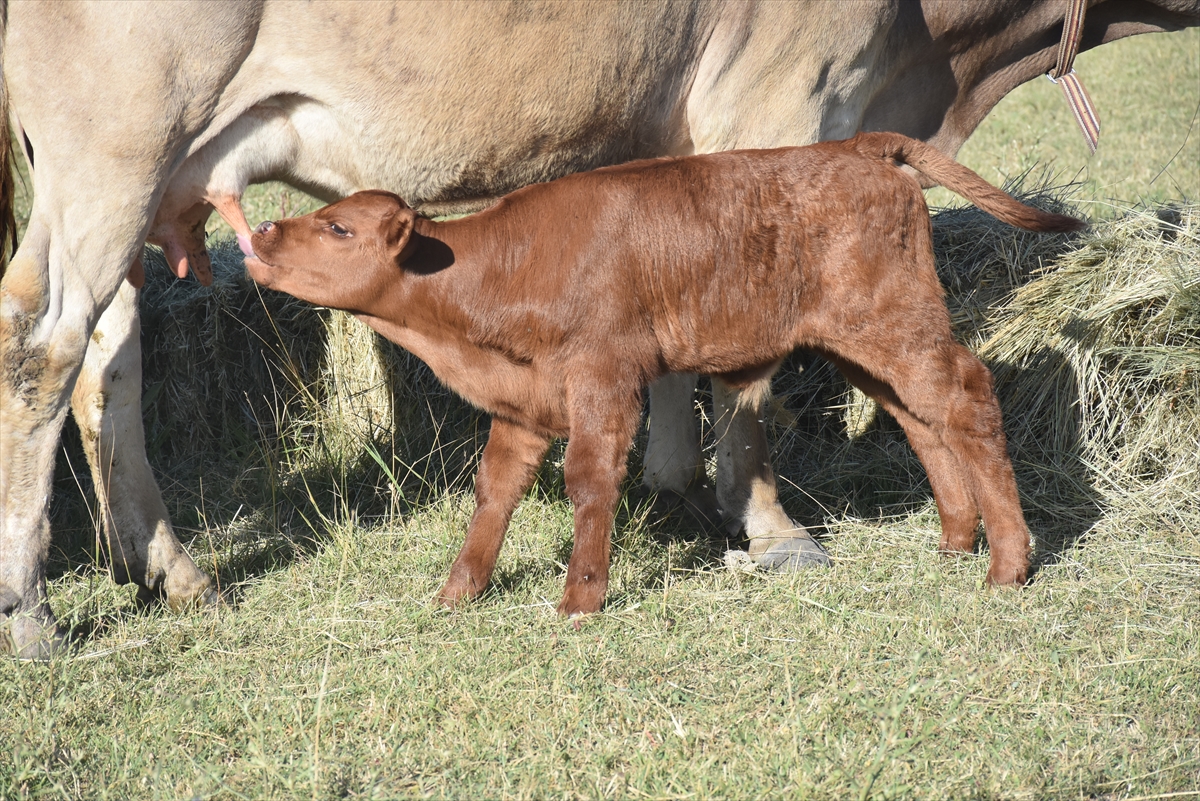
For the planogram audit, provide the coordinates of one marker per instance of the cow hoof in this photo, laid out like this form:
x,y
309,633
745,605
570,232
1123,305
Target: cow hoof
x,y
208,599
793,554
146,597
740,562
27,637
698,504
205,597
198,594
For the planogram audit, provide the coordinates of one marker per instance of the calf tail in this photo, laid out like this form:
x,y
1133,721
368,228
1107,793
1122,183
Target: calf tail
x,y
943,170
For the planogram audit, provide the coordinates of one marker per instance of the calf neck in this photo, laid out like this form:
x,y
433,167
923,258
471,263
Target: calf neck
x,y
555,308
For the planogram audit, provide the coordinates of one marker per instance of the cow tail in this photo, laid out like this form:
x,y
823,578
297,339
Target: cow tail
x,y
943,170
8,216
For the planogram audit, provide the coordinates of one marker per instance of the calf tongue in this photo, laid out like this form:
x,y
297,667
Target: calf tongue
x,y
244,244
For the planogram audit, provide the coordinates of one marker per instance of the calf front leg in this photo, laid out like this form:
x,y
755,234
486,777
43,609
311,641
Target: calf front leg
x,y
142,547
506,471
602,431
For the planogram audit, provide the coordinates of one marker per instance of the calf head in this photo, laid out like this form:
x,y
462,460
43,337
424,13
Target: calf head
x,y
341,256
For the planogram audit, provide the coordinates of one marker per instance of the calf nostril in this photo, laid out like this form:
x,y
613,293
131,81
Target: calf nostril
x,y
264,227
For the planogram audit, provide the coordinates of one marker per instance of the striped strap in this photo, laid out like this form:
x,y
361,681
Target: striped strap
x,y
1064,75
1081,105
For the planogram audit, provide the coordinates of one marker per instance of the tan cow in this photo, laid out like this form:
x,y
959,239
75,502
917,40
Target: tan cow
x,y
139,118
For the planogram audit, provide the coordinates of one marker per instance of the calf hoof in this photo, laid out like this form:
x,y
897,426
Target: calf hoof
x,y
458,589
792,554
1008,576
957,544
583,598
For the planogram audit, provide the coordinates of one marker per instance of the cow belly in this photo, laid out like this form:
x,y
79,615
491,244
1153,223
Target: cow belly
x,y
444,102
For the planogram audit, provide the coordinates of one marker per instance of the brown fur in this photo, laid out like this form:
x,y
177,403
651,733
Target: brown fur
x,y
554,309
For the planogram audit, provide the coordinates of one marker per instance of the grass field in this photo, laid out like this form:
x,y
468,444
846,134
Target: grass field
x,y
1147,93
330,511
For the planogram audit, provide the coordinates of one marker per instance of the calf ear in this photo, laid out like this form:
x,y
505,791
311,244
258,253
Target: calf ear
x,y
401,240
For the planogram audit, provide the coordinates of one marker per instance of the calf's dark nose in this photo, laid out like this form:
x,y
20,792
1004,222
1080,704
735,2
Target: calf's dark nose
x,y
264,227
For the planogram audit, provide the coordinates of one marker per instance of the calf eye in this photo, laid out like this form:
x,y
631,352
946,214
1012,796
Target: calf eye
x,y
339,230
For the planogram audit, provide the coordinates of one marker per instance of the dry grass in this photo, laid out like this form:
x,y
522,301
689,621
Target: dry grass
x,y
1115,328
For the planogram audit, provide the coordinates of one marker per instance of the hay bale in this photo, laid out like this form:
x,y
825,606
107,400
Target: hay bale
x,y
1097,365
223,366
359,384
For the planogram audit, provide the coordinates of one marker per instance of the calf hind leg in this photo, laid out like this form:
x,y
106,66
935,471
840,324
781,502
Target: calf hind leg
x,y
942,395
956,504
975,432
506,471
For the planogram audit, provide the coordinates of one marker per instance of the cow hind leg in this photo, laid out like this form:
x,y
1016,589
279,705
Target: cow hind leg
x,y
106,401
746,499
746,486
506,471
673,466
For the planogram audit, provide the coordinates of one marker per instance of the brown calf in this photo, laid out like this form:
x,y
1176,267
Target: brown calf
x,y
556,307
